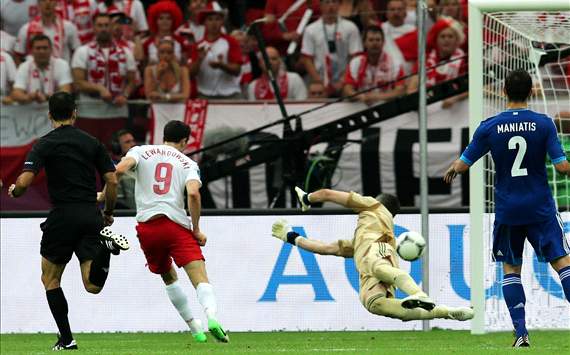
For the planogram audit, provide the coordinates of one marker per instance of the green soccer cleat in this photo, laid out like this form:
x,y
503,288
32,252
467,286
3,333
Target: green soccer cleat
x,y
200,337
217,331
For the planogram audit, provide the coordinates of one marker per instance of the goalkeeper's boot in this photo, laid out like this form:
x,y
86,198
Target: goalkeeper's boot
x,y
521,342
301,195
113,241
418,300
59,345
217,331
461,313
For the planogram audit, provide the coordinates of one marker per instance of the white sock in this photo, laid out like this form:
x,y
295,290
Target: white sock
x,y
180,302
195,326
207,299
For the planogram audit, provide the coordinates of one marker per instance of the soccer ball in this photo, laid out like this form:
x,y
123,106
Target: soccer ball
x,y
410,246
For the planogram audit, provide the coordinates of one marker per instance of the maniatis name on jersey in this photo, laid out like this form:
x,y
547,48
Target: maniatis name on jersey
x,y
148,153
516,127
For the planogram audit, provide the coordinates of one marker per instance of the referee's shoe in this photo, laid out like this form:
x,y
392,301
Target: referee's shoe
x,y
61,346
113,241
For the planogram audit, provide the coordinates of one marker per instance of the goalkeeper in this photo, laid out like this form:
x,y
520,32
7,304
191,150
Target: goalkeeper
x,y
373,250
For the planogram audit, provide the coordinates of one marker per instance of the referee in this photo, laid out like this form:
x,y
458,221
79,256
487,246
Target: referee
x,y
71,159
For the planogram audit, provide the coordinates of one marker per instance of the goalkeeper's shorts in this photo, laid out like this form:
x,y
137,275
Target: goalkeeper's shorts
x,y
547,239
370,288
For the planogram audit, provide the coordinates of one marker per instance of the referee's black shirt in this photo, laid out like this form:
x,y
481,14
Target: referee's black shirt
x,y
71,158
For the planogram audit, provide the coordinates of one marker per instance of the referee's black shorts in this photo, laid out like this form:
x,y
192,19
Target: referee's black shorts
x,y
71,228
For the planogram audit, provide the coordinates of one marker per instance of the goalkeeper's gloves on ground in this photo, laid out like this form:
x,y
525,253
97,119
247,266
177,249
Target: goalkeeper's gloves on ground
x,y
303,198
283,231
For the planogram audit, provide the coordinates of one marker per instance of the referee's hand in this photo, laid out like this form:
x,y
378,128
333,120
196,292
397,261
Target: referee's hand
x,y
107,219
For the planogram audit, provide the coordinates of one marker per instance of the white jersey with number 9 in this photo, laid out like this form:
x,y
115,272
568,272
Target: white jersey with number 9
x,y
161,175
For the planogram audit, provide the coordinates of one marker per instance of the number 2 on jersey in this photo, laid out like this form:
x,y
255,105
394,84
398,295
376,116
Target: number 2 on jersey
x,y
520,143
163,176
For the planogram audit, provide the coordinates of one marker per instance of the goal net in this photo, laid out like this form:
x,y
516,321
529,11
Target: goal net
x,y
539,42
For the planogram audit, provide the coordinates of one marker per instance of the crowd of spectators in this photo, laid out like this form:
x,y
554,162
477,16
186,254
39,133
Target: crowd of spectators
x,y
111,51
115,50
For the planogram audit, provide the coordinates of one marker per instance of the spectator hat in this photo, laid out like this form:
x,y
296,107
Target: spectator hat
x,y
213,7
442,24
160,7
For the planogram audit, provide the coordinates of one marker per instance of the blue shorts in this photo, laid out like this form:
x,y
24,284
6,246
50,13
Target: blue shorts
x,y
547,239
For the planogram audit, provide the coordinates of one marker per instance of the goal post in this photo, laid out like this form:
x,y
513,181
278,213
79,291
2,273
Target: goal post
x,y
520,22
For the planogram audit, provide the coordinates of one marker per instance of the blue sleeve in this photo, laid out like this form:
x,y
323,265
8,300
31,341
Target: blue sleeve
x,y
553,146
478,146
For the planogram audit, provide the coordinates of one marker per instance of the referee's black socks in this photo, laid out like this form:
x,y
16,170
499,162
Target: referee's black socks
x,y
100,267
58,306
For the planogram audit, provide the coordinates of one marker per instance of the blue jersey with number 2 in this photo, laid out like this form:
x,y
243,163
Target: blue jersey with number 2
x,y
519,140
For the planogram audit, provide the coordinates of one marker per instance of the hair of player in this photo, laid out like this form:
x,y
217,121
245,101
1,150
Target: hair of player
x,y
518,85
175,131
61,106
391,202
39,37
372,29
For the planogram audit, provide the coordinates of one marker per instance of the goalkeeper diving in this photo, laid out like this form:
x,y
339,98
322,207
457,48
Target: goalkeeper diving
x,y
373,249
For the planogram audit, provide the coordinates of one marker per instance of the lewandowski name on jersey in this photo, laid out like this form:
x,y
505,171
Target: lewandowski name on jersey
x,y
167,153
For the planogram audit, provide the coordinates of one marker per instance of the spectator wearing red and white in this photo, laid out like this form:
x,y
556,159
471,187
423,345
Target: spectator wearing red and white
x,y
62,33
245,76
7,76
118,20
42,74
166,81
102,68
216,60
328,45
454,9
7,41
278,37
192,30
445,59
291,85
411,9
80,13
16,13
401,39
375,68
164,17
132,8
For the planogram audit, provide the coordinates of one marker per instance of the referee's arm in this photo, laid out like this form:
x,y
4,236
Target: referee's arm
x,y
22,183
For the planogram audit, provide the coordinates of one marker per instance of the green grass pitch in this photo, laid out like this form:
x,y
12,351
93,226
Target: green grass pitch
x,y
433,342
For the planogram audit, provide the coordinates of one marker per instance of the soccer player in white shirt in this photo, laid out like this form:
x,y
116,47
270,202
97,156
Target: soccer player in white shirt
x,y
42,75
162,174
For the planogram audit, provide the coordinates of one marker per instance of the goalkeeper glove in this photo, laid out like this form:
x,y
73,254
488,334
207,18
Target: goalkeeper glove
x,y
303,198
283,231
